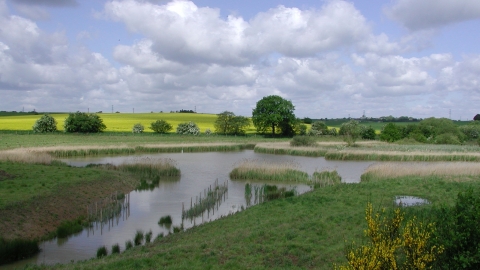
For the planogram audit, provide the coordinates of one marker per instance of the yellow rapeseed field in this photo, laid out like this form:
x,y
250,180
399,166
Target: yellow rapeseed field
x,y
120,122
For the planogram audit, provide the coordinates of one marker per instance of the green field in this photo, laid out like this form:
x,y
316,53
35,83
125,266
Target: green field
x,y
119,122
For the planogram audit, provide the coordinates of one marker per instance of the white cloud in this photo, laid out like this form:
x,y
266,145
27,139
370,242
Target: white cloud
x,y
181,31
427,14
32,12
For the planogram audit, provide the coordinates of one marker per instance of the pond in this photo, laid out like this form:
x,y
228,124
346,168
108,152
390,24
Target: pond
x,y
198,172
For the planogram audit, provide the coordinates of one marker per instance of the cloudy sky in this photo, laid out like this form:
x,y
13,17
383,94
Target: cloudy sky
x,y
336,58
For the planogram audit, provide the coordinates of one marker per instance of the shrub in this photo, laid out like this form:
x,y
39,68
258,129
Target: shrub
x,y
351,132
189,128
447,138
84,123
138,128
160,126
390,133
333,132
318,128
471,131
115,249
208,132
390,246
302,129
303,141
102,252
368,133
46,123
458,230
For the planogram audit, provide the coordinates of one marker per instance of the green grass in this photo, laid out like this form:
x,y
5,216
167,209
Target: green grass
x,y
11,140
40,180
307,231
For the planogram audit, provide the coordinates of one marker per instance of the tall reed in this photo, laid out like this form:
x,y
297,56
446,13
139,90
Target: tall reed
x,y
397,169
401,156
17,249
326,178
212,196
263,170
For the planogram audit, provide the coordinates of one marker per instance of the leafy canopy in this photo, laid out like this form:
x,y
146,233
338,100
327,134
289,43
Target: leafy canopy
x,y
160,126
84,123
229,123
46,123
274,112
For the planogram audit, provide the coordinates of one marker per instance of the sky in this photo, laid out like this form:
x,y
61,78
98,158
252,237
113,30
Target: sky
x,y
331,59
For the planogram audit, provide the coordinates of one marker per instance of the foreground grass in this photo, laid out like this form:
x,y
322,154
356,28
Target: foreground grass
x,y
308,231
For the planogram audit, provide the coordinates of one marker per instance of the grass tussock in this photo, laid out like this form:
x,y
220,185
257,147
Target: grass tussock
x,y
396,169
263,170
326,178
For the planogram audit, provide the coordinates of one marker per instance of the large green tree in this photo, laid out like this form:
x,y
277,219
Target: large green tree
x,y
229,123
274,112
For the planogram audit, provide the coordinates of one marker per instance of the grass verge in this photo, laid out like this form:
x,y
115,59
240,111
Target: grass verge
x,y
307,231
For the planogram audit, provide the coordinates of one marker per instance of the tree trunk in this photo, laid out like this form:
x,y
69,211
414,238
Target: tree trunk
x,y
273,130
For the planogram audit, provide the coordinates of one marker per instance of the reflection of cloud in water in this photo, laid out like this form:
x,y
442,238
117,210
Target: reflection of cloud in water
x,y
198,172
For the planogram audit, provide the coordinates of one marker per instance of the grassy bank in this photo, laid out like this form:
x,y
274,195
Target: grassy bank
x,y
307,231
118,140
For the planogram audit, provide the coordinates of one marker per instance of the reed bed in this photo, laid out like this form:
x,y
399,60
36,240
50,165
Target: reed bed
x,y
25,155
212,197
151,167
396,169
17,249
325,178
401,156
262,170
285,149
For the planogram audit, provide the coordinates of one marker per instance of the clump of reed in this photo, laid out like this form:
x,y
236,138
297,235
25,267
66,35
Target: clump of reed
x,y
116,249
165,221
212,197
325,178
82,151
399,169
128,244
138,240
263,170
17,249
102,252
148,237
150,168
68,227
264,193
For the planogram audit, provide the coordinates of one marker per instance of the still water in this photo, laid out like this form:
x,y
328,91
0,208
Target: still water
x,y
198,172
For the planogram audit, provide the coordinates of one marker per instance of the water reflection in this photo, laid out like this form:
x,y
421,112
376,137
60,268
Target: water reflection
x,y
172,197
